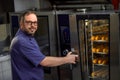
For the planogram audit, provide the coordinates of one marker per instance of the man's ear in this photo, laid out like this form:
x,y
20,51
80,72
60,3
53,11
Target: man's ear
x,y
21,24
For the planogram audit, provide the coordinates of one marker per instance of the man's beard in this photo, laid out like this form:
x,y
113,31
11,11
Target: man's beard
x,y
30,32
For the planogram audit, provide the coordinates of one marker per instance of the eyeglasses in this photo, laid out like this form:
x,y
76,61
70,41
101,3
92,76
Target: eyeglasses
x,y
31,23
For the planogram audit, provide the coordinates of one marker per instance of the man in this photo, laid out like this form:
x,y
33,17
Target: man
x,y
26,58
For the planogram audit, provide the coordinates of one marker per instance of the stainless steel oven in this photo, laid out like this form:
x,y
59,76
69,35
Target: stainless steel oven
x,y
95,37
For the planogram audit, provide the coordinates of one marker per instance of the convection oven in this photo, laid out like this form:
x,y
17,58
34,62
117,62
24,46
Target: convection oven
x,y
95,38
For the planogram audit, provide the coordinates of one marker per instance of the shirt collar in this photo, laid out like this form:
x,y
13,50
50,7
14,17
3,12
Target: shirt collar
x,y
24,33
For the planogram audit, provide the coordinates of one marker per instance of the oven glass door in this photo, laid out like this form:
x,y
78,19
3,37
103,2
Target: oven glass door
x,y
94,46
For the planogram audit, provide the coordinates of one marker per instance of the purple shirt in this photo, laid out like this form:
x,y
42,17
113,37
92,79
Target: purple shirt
x,y
26,57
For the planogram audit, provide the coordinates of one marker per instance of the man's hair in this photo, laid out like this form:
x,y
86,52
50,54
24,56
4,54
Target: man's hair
x,y
22,17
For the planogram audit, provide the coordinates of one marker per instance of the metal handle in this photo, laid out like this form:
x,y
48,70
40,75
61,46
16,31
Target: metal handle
x,y
73,52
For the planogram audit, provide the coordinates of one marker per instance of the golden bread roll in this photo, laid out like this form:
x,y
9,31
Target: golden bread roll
x,y
102,38
104,62
106,38
104,50
97,50
93,74
93,38
100,61
96,37
93,49
95,61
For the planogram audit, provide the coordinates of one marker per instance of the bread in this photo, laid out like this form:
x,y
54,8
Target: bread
x,y
100,61
95,61
93,50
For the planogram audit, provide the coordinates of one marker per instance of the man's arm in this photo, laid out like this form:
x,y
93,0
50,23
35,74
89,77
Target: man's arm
x,y
50,61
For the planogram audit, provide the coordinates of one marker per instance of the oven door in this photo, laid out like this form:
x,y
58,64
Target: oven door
x,y
95,38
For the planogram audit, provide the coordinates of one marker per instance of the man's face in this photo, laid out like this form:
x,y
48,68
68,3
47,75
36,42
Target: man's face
x,y
30,24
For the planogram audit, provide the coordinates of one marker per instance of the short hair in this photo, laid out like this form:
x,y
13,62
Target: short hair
x,y
22,17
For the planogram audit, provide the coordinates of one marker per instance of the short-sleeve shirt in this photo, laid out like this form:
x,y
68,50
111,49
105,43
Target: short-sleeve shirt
x,y
26,58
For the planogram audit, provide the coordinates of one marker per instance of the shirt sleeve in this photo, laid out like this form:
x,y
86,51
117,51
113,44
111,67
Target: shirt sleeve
x,y
31,51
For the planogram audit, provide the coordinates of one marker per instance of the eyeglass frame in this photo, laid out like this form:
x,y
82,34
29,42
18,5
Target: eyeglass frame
x,y
35,23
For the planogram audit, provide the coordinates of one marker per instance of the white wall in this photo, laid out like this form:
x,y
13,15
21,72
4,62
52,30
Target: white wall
x,y
21,5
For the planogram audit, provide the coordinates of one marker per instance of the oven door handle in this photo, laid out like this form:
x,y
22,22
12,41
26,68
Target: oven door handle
x,y
73,52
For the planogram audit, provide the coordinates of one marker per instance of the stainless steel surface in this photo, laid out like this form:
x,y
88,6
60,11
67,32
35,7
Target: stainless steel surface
x,y
64,71
81,35
48,25
83,48
114,47
76,71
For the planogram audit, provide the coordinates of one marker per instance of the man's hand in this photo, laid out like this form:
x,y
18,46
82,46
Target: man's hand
x,y
71,58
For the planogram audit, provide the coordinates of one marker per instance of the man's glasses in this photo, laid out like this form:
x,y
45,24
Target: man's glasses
x,y
31,23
